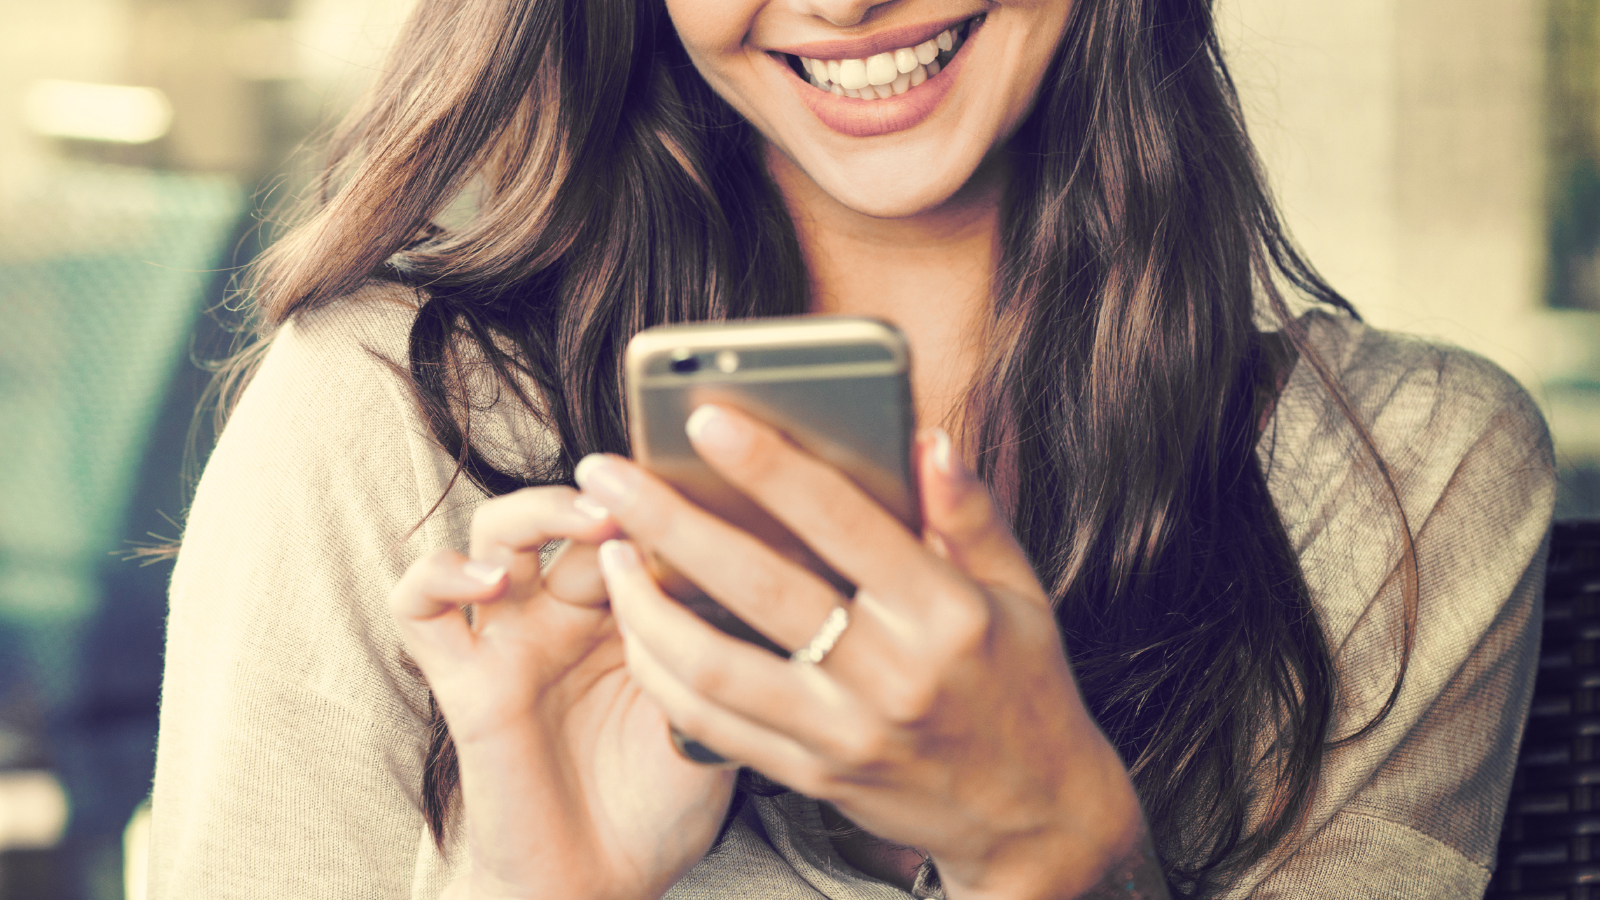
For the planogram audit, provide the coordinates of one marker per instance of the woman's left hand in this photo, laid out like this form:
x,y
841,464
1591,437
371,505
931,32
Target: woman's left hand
x,y
945,718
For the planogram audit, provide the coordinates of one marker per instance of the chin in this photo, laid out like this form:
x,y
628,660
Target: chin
x,y
895,188
893,201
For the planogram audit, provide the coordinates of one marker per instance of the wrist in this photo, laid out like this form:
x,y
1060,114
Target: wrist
x,y
1098,847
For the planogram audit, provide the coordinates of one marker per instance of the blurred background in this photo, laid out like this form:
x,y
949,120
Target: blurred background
x,y
1438,159
141,141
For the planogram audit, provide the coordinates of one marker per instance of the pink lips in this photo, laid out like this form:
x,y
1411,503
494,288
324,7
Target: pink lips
x,y
862,47
869,118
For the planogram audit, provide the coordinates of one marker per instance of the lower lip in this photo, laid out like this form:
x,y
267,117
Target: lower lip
x,y
870,118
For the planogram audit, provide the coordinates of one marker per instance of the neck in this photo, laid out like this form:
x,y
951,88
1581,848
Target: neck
x,y
930,274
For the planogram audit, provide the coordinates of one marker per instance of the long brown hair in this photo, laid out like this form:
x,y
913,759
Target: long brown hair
x,y
616,191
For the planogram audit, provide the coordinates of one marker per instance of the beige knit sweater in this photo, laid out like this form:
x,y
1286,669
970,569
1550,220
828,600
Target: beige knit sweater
x,y
291,745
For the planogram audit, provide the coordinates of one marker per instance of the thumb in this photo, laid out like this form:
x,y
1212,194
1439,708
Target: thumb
x,y
960,515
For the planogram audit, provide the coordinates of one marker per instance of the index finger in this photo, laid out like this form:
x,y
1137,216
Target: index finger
x,y
512,530
844,526
523,522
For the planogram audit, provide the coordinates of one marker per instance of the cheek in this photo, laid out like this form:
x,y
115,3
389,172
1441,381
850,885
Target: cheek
x,y
710,29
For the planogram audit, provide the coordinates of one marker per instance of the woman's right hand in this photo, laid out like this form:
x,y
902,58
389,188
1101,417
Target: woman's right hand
x,y
570,785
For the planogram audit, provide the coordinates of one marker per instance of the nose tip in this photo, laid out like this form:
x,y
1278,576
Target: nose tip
x,y
840,13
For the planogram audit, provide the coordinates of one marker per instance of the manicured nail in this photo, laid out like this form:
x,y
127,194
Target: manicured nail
x,y
941,450
618,557
482,571
586,506
711,428
606,480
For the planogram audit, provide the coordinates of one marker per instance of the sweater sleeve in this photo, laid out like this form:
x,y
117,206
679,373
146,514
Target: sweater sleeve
x,y
1413,808
291,746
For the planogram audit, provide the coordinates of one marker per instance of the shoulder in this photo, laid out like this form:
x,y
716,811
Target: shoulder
x,y
1419,399
1467,471
317,496
363,342
377,315
356,341
285,677
1467,474
1442,419
329,410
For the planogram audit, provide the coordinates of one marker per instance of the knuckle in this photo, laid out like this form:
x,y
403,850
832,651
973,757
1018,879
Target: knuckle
x,y
439,562
401,597
514,519
975,515
422,580
705,676
657,508
861,747
766,455
428,573
773,464
908,700
692,722
764,590
964,626
812,779
488,516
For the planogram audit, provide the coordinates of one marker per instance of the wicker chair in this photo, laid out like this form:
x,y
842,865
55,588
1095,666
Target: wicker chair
x,y
1550,844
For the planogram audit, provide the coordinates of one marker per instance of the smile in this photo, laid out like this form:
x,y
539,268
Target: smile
x,y
882,83
886,74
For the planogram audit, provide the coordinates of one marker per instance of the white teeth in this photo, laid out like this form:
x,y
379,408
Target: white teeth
x,y
882,75
880,69
852,73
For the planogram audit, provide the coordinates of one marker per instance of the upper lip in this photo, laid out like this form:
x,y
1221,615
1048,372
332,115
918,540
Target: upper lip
x,y
872,44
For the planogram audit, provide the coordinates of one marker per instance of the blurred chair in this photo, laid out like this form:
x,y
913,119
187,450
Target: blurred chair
x,y
103,276
1548,846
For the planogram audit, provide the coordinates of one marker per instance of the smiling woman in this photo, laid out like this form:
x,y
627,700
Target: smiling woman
x,y
1213,598
868,79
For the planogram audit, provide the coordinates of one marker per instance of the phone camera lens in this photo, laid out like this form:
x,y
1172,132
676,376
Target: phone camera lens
x,y
684,362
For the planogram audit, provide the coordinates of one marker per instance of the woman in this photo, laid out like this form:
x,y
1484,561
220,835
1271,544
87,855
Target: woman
x,y
1203,608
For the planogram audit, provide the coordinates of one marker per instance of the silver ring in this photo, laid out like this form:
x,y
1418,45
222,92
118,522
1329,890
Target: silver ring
x,y
822,642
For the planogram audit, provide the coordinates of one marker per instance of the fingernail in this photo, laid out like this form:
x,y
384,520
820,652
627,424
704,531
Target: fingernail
x,y
941,450
618,557
711,428
482,571
586,506
606,480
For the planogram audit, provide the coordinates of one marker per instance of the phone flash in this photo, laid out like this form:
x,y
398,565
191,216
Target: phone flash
x,y
727,361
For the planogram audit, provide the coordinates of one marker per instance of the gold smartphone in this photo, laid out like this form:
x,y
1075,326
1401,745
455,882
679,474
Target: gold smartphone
x,y
838,387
